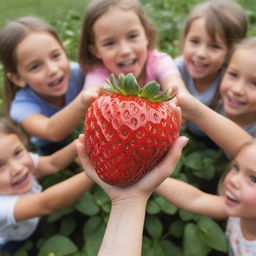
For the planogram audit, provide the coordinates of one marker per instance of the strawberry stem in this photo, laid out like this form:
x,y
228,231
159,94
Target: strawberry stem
x,y
128,85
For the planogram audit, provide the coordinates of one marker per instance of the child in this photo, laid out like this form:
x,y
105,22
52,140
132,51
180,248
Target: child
x,y
238,87
125,224
210,32
237,201
21,197
224,132
117,37
41,86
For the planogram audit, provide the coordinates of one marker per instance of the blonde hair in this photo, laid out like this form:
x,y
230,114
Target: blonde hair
x,y
95,10
8,126
223,176
10,37
223,17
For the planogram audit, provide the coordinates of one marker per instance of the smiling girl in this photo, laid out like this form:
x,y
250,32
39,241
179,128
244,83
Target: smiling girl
x,y
117,37
210,32
21,197
42,88
237,200
238,87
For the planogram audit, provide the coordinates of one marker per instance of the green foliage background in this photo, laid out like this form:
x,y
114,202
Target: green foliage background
x,y
78,229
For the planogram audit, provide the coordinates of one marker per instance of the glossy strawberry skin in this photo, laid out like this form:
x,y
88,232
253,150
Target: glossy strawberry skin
x,y
127,136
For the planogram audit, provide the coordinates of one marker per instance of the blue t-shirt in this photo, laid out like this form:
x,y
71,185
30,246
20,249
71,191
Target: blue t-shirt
x,y
27,102
205,96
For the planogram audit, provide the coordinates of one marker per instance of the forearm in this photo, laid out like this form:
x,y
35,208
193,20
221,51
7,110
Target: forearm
x,y
66,120
224,132
123,235
179,193
57,161
65,193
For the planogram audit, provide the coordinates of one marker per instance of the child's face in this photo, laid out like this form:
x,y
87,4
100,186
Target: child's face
x,y
203,57
43,65
120,42
240,184
238,87
16,166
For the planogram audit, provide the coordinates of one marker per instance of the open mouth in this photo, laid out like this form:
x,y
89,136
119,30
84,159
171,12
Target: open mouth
x,y
127,63
231,198
20,180
56,82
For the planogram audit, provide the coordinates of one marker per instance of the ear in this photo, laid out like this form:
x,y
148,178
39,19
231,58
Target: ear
x,y
16,79
93,50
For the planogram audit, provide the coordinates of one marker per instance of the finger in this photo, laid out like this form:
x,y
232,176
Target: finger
x,y
168,164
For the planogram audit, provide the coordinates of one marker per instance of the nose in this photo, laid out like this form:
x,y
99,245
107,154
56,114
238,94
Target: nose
x,y
124,47
52,67
238,86
15,167
234,179
201,50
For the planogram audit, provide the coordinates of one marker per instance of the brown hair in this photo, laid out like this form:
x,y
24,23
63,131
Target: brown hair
x,y
223,17
8,126
10,37
223,176
96,9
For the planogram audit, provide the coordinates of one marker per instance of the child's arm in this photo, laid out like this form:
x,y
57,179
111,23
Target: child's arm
x,y
227,134
58,126
52,199
57,161
125,224
174,83
191,199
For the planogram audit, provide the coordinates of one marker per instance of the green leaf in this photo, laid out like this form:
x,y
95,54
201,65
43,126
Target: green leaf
x,y
131,86
86,205
194,161
92,225
213,234
170,248
177,228
152,207
154,227
52,245
59,214
193,245
186,216
149,90
121,79
165,206
68,225
93,241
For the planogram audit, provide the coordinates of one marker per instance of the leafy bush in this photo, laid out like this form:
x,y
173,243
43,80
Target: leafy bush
x,y
78,230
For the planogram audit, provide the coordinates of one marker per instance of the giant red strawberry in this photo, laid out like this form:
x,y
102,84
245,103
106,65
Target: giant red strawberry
x,y
129,130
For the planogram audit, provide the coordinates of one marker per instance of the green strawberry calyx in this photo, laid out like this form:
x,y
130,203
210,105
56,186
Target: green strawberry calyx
x,y
128,85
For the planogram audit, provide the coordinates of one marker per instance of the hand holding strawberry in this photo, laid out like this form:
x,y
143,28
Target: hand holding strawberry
x,y
129,130
146,185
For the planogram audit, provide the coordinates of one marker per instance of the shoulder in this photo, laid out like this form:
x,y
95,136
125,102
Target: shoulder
x,y
96,76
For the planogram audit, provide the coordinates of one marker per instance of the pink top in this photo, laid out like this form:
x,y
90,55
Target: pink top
x,y
158,66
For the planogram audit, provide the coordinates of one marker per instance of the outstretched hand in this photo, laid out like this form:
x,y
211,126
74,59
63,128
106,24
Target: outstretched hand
x,y
146,185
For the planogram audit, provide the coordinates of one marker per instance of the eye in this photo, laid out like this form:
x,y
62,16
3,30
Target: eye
x,y
18,152
56,55
34,67
234,167
194,41
132,36
108,43
232,74
215,46
252,178
254,83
